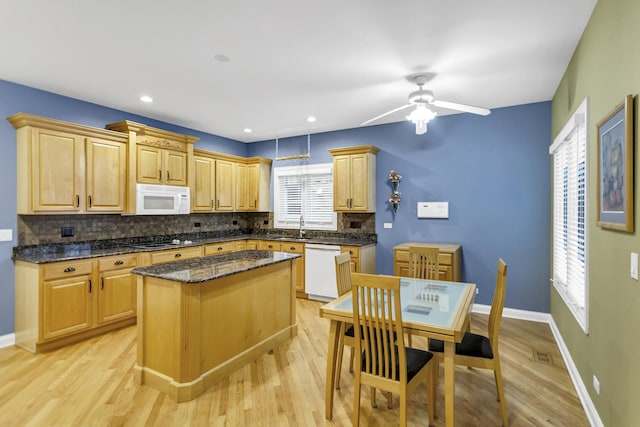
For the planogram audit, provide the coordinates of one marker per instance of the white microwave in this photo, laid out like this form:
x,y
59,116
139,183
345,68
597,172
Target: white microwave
x,y
162,200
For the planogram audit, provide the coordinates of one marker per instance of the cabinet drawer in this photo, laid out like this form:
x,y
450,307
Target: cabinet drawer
x,y
294,247
175,255
59,270
444,258
219,248
239,245
267,245
117,262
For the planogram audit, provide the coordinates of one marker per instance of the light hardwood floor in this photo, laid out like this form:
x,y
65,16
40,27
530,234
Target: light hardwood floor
x,y
91,384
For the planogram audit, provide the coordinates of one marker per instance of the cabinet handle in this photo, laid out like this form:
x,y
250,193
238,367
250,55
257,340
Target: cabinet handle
x,y
69,269
168,177
77,200
219,248
90,200
211,203
90,285
118,262
160,174
270,247
102,283
217,203
178,255
292,248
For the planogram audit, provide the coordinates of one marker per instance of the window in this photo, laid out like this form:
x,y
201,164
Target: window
x,y
305,191
569,153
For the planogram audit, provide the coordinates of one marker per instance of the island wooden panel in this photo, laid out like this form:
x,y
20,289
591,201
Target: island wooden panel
x,y
191,336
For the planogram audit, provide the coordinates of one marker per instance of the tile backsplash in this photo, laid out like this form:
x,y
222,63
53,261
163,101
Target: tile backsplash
x,y
45,229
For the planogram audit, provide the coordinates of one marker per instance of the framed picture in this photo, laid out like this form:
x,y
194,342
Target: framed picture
x,y
615,168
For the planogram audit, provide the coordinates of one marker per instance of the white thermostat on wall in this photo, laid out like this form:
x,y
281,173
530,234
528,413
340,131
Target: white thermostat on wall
x,y
433,209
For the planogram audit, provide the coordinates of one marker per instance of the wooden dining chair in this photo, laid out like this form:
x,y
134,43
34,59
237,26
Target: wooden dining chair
x,y
345,334
423,264
385,363
478,351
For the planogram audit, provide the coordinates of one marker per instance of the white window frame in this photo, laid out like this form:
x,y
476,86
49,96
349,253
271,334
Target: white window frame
x,y
281,221
570,186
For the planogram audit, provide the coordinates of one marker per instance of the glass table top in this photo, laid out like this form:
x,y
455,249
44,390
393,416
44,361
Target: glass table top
x,y
423,301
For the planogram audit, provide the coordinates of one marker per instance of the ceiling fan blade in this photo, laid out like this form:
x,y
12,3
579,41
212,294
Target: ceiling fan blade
x,y
385,114
462,107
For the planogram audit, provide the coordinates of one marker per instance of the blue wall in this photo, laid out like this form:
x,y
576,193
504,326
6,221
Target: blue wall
x,y
493,171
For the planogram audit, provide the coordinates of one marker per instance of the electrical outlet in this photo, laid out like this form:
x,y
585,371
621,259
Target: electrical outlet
x,y
355,224
196,224
235,222
388,225
265,222
477,291
6,235
66,232
634,266
596,384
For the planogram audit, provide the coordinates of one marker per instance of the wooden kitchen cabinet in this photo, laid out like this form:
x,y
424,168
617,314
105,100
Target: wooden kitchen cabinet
x,y
297,248
63,302
354,183
448,259
363,258
203,194
225,190
68,168
161,166
171,255
117,297
258,184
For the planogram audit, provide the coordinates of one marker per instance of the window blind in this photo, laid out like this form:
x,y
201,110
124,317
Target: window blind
x,y
569,152
305,191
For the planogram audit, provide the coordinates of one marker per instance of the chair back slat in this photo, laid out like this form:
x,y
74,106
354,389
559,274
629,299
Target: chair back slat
x,y
377,309
343,273
423,262
497,305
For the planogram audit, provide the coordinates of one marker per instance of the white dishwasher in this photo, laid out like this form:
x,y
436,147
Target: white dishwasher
x,y
320,271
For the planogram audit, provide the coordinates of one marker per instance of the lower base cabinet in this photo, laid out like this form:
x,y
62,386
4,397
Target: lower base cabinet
x,y
448,259
64,302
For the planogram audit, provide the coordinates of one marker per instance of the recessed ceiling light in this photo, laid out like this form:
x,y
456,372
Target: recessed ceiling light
x,y
221,58
247,130
311,119
146,98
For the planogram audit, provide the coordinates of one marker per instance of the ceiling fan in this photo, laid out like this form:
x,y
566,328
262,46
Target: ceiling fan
x,y
421,98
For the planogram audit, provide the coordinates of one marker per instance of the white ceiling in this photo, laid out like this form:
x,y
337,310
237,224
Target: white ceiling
x,y
342,61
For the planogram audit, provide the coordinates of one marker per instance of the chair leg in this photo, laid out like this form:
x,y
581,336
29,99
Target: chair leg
x,y
353,358
356,401
503,405
431,391
340,353
403,407
374,403
409,340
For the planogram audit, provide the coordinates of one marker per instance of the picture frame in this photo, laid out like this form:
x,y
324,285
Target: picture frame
x,y
615,168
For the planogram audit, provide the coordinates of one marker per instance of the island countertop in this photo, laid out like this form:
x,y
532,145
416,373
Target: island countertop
x,y
202,269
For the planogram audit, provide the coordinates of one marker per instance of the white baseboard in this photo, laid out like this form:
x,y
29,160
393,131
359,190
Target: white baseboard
x,y
535,316
7,340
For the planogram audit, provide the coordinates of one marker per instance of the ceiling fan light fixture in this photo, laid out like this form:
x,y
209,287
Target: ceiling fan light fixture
x,y
420,117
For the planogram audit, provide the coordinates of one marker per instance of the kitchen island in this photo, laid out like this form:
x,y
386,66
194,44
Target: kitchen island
x,y
201,319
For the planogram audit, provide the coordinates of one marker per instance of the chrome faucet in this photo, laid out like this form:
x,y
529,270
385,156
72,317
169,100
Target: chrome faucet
x,y
302,232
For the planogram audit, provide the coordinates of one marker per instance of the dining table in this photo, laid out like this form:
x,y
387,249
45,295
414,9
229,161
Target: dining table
x,y
430,308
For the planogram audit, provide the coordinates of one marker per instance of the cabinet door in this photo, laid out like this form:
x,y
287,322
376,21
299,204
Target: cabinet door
x,y
57,171
149,165
241,187
359,183
117,296
253,187
66,305
341,183
224,185
175,168
204,194
219,248
106,175
297,248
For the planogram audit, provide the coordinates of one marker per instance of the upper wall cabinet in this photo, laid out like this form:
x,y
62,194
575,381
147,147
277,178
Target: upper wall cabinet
x,y
68,168
226,183
157,156
354,178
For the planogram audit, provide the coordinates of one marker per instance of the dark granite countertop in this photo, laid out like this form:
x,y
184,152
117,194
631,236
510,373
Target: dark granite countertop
x,y
200,270
41,254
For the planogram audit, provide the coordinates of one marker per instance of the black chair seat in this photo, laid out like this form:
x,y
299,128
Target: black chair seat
x,y
471,345
416,360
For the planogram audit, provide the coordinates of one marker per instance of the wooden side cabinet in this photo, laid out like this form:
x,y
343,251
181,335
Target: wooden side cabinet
x,y
448,259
